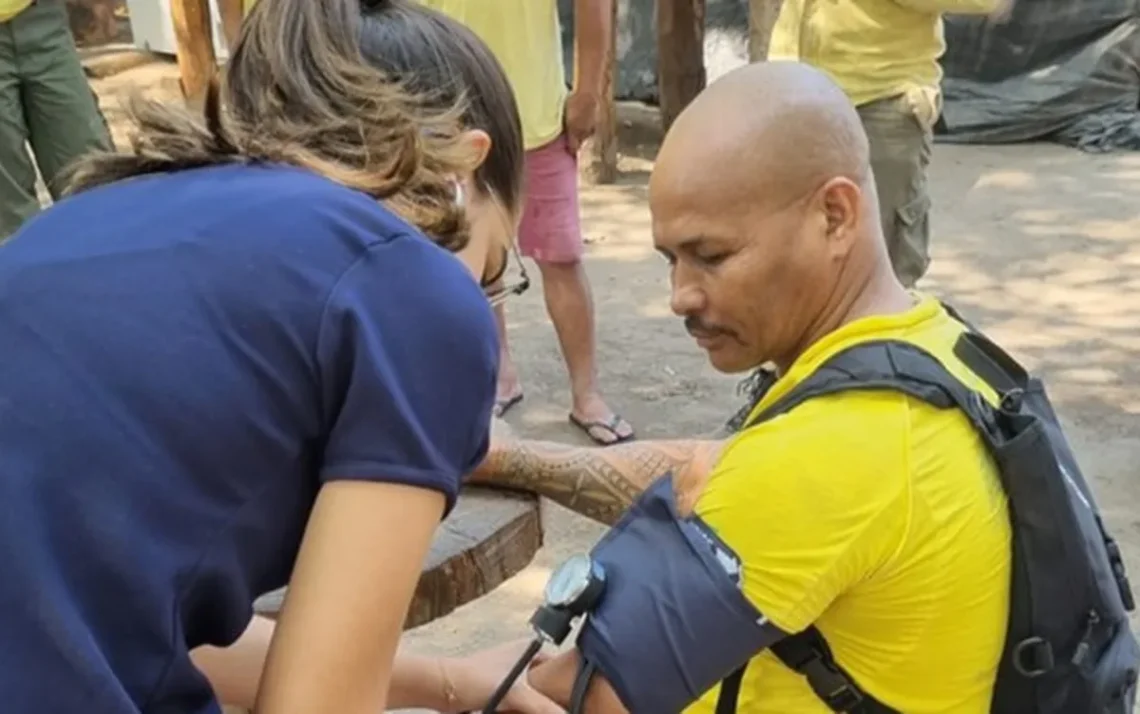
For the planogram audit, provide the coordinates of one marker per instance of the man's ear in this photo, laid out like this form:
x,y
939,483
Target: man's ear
x,y
842,204
479,143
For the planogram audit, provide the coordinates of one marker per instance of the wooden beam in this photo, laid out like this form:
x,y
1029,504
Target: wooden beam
x,y
196,61
680,55
601,167
762,16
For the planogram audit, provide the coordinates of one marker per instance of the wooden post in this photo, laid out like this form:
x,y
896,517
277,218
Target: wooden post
x,y
601,167
680,55
762,16
196,61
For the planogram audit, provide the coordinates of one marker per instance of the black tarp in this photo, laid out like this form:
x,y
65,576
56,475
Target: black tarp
x,y
1065,70
1061,70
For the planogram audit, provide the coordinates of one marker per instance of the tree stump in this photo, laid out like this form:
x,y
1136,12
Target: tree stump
x,y
490,536
680,55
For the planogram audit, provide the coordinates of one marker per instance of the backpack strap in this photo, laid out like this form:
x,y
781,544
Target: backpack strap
x,y
986,359
808,654
893,366
878,365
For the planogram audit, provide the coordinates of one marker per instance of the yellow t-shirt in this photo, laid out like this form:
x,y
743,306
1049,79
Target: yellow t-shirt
x,y
881,520
524,35
11,8
873,49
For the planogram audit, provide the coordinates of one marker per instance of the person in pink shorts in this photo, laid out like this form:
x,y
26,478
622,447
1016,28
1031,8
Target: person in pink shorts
x,y
525,37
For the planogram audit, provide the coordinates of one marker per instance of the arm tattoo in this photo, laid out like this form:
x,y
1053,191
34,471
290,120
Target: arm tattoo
x,y
599,482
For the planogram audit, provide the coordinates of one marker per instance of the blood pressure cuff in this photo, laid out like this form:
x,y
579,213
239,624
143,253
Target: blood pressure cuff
x,y
673,620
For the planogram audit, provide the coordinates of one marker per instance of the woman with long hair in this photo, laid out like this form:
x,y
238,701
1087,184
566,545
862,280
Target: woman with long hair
x,y
251,350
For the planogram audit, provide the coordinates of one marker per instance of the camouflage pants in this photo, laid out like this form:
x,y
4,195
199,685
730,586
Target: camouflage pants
x,y
901,139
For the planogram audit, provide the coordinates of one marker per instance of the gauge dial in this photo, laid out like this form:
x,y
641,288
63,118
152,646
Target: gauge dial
x,y
569,581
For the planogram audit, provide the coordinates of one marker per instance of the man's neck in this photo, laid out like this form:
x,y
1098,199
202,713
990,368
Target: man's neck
x,y
878,293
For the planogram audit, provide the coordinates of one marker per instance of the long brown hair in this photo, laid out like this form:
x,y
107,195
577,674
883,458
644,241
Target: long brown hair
x,y
300,89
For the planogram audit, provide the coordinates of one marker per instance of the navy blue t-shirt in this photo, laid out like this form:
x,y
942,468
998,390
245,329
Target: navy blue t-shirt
x,y
184,360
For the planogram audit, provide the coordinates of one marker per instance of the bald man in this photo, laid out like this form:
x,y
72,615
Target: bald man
x,y
895,547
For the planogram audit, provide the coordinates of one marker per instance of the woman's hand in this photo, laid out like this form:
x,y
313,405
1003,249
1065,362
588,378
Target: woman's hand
x,y
476,677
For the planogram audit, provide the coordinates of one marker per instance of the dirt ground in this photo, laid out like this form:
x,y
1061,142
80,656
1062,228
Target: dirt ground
x,y
1038,244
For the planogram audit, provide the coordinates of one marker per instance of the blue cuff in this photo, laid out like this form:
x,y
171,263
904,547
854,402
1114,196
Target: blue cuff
x,y
673,621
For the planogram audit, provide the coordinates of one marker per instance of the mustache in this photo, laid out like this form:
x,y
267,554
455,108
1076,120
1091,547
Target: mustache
x,y
697,327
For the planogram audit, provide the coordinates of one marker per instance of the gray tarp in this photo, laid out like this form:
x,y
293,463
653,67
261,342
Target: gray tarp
x,y
1065,70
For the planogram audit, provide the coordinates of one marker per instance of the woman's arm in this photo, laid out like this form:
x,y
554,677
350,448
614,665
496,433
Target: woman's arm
x,y
235,672
353,581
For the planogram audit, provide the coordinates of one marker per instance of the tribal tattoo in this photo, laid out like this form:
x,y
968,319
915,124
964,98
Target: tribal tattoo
x,y
600,482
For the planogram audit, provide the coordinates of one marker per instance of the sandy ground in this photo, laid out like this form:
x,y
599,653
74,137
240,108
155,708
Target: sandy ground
x,y
1038,244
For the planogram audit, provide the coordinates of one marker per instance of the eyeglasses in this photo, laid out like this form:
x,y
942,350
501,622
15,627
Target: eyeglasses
x,y
505,290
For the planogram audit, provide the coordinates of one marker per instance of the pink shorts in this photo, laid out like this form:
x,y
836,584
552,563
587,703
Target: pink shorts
x,y
550,230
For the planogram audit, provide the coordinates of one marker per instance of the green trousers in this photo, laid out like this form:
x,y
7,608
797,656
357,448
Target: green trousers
x,y
45,101
900,154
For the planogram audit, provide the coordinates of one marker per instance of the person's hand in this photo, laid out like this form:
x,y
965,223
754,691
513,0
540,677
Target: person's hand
x,y
476,677
581,118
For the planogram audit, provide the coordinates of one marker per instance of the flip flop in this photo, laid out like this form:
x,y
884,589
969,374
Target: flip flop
x,y
611,426
502,406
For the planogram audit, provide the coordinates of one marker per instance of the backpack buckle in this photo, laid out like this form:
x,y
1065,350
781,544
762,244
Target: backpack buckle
x,y
1012,400
1033,657
830,684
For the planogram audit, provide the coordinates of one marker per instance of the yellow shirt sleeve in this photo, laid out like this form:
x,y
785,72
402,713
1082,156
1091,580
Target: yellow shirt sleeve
x,y
812,502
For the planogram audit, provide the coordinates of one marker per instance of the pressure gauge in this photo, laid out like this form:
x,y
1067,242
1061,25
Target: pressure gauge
x,y
576,579
573,590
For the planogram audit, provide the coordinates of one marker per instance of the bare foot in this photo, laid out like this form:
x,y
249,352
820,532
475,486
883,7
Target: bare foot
x,y
599,422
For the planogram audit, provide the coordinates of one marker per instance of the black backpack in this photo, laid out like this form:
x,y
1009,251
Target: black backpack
x,y
1069,648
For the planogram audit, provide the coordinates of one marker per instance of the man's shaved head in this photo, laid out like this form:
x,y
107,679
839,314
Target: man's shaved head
x,y
775,130
763,200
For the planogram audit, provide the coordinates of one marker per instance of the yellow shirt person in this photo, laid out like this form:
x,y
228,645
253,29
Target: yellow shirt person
x,y
878,530
525,35
873,49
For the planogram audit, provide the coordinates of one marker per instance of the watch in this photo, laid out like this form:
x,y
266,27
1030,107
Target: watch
x,y
575,585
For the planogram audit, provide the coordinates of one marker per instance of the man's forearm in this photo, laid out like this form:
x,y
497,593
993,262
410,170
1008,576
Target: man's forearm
x,y
555,680
600,482
593,27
